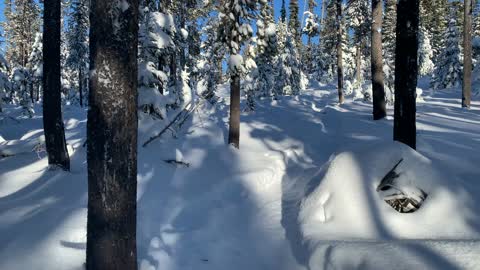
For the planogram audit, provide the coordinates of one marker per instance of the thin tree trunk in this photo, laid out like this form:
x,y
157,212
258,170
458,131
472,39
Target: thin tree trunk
x,y
358,62
378,90
339,52
467,54
112,136
322,12
161,63
406,70
52,110
234,129
32,93
80,85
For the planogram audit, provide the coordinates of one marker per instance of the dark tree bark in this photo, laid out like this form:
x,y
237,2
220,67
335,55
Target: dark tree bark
x,y
339,52
234,129
378,90
406,70
52,109
80,85
467,54
358,62
112,136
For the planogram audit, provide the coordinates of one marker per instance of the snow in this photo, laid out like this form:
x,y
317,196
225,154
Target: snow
x,y
300,193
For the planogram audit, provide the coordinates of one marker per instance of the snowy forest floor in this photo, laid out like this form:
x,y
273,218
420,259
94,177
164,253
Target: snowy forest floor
x,y
230,209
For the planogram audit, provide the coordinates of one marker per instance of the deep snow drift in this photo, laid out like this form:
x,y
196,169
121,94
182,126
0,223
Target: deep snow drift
x,y
299,194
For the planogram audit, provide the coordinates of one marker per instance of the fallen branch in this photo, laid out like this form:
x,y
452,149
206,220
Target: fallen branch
x,y
177,163
388,179
186,112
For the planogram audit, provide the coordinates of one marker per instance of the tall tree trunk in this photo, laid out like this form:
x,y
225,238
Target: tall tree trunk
x,y
112,136
234,129
52,110
358,62
32,93
339,52
378,90
80,85
406,70
467,54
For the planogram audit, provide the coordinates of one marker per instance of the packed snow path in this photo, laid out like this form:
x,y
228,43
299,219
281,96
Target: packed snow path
x,y
231,209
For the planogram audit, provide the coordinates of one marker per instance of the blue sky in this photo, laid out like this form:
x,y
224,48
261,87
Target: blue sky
x,y
277,6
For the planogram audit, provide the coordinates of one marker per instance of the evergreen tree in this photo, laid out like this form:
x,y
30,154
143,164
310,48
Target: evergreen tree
x,y
22,22
425,53
448,71
289,74
283,12
294,23
156,45
326,61
389,44
35,68
311,29
235,17
262,78
339,30
4,81
77,42
358,19
210,65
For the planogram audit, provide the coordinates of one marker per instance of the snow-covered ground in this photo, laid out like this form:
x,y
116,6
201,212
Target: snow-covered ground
x,y
299,194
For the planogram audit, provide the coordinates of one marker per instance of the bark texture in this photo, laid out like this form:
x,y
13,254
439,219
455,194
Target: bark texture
x,y
406,70
112,136
52,108
378,90
234,129
339,52
467,54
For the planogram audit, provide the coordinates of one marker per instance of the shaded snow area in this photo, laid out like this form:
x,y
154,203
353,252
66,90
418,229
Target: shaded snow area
x,y
301,193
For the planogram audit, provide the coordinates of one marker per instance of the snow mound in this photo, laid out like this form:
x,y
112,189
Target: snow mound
x,y
341,202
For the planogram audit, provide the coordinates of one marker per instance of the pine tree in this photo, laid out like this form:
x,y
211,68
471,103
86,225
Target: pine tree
x,y
21,25
77,42
35,68
448,71
51,85
311,29
288,69
294,23
4,81
156,44
112,135
406,67
425,53
235,29
438,26
283,12
262,78
358,17
213,52
326,61
339,28
389,44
